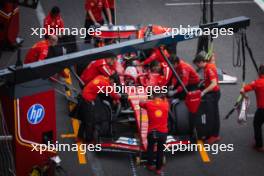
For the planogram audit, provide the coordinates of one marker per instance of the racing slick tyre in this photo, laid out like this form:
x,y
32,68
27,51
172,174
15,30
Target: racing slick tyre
x,y
103,118
179,122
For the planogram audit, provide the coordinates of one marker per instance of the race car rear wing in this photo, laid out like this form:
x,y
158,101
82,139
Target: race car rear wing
x,y
44,69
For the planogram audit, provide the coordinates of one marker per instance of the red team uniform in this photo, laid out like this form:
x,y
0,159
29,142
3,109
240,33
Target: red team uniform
x,y
96,7
258,87
157,110
95,68
156,55
91,90
210,73
38,52
187,74
53,23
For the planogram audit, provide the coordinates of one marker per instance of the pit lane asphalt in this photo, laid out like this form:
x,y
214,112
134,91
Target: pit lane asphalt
x,y
243,161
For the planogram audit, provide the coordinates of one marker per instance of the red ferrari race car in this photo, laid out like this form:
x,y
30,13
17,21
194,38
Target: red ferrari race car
x,y
124,128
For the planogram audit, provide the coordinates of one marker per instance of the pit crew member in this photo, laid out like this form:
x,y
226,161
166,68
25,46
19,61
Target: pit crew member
x,y
39,51
98,67
87,105
157,110
94,17
258,87
188,76
112,9
212,92
156,55
53,21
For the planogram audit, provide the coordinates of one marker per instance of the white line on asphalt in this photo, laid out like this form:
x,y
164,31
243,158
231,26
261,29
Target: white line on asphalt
x,y
260,3
216,3
95,164
132,165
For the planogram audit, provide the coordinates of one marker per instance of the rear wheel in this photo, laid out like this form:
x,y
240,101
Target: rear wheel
x,y
180,119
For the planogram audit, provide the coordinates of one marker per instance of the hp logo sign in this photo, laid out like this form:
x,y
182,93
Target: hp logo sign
x,y
130,141
35,114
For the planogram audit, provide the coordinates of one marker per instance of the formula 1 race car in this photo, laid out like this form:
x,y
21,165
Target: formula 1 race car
x,y
124,128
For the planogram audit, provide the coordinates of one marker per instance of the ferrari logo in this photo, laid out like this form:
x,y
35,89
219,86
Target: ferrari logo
x,y
96,81
158,113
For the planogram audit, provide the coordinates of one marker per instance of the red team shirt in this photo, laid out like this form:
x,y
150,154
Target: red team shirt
x,y
95,68
157,110
53,23
96,7
38,52
156,55
187,74
92,89
210,73
258,87
111,4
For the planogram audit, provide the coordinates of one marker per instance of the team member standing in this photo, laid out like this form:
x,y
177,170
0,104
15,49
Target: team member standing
x,y
54,21
112,9
39,51
157,110
258,87
94,16
212,92
188,76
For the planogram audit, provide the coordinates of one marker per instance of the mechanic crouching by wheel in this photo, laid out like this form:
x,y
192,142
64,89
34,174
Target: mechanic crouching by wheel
x,y
258,87
212,93
87,106
157,110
